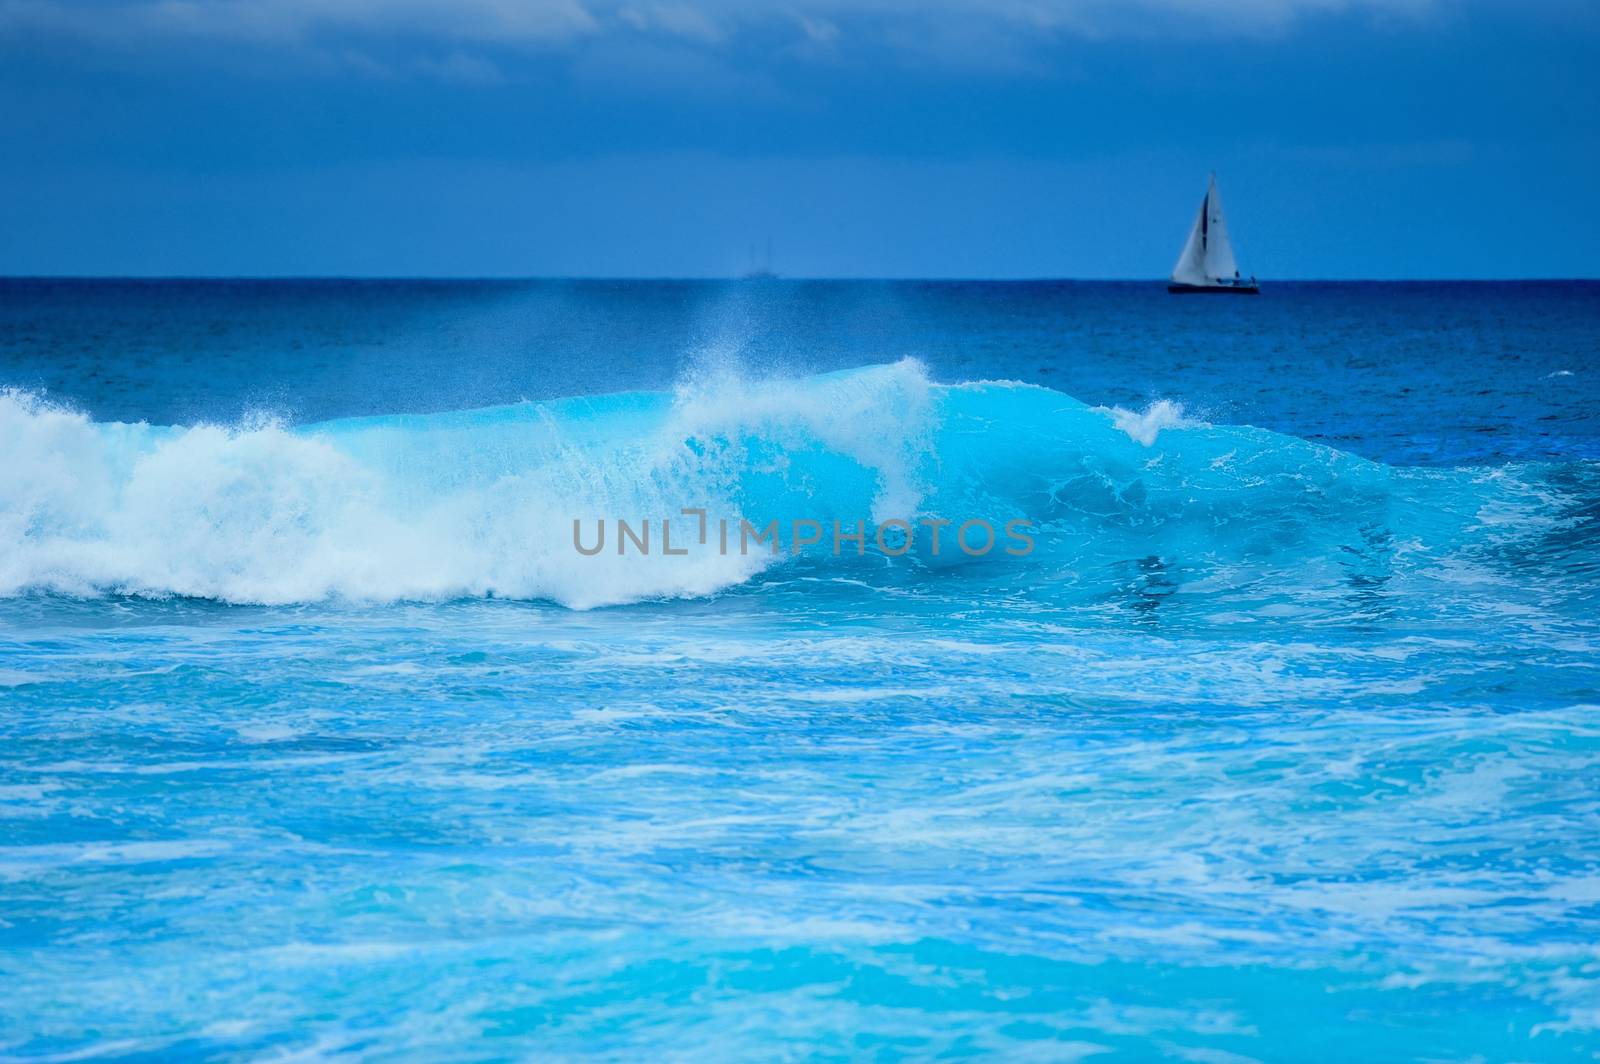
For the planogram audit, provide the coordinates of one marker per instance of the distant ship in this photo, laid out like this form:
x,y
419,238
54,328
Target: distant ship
x,y
1207,263
760,269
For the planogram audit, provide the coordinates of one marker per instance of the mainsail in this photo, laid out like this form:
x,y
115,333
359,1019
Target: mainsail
x,y
1207,256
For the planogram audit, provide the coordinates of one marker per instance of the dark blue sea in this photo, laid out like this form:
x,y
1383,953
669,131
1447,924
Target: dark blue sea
x,y
321,735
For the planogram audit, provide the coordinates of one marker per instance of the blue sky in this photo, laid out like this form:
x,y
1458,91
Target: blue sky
x,y
941,138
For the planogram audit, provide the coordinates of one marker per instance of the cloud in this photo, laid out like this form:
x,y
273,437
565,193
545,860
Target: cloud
x,y
960,32
505,22
819,31
678,20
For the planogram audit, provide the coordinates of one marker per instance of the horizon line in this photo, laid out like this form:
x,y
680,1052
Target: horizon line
x,y
728,279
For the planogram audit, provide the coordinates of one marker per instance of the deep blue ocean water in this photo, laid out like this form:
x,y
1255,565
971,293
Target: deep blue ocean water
x,y
318,737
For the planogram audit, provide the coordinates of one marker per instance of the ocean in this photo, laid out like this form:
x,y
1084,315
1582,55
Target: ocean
x,y
319,736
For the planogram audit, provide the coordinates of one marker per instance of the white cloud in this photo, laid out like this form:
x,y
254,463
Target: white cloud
x,y
507,22
957,31
819,31
678,20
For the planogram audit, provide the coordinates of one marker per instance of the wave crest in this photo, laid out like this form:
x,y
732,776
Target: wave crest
x,y
482,502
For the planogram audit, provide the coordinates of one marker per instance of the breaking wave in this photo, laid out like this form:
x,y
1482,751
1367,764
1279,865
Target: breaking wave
x,y
482,502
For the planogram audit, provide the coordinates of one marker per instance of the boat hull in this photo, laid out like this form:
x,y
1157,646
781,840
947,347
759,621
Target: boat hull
x,y
1214,289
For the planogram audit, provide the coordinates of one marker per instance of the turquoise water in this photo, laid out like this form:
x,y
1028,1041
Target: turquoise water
x,y
318,737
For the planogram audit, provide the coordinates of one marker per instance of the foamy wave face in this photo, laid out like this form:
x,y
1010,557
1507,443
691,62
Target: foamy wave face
x,y
267,515
483,502
881,419
429,507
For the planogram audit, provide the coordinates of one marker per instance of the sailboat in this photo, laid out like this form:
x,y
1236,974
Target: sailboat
x,y
1207,263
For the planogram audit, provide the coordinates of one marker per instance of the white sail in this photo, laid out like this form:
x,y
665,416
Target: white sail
x,y
1191,267
1207,256
1219,250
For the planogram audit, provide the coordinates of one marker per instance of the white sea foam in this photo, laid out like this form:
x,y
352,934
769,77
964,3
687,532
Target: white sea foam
x,y
430,508
1144,428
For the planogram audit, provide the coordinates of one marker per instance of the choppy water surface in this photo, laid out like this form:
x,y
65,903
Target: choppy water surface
x,y
318,737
